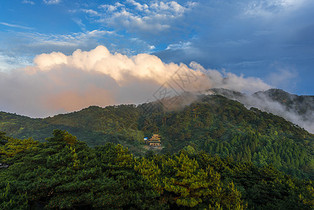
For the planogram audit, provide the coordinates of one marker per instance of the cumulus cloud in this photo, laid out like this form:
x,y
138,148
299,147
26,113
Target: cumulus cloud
x,y
59,83
19,48
117,66
138,5
228,80
90,12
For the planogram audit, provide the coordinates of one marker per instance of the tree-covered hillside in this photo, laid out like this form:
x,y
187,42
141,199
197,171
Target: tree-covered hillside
x,y
214,124
298,109
64,173
225,127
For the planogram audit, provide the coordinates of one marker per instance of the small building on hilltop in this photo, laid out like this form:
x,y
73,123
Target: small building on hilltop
x,y
154,141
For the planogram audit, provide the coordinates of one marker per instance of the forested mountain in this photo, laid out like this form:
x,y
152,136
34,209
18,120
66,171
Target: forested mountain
x,y
212,123
216,154
64,173
294,108
300,104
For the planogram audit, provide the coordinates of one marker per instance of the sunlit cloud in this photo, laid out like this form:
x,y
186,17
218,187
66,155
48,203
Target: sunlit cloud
x,y
58,83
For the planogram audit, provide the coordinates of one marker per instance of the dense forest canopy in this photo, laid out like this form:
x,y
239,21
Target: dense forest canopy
x,y
215,154
64,173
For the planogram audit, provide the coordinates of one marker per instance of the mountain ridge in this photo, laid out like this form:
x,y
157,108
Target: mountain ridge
x,y
294,108
212,123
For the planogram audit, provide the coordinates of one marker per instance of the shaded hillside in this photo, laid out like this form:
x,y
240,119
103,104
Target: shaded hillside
x,y
94,125
296,109
212,123
300,104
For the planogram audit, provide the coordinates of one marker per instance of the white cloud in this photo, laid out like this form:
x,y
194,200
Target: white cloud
x,y
28,2
180,45
140,42
69,40
111,8
135,22
231,81
61,83
154,17
24,45
138,5
52,1
117,66
15,26
18,50
171,6
90,12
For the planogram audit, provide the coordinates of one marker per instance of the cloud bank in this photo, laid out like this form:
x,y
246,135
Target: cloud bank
x,y
59,83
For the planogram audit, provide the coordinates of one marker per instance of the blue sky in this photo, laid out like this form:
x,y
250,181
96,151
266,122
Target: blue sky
x,y
269,39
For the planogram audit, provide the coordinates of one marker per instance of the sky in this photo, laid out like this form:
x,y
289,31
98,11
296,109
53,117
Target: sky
x,y
63,55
